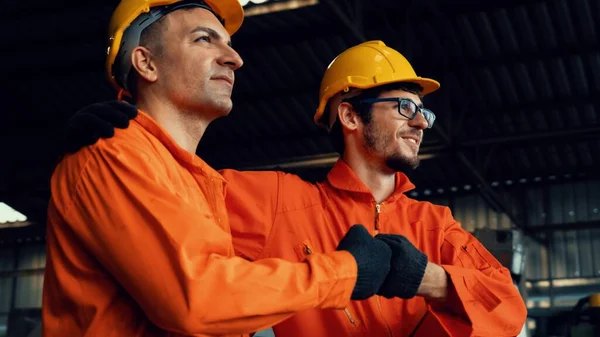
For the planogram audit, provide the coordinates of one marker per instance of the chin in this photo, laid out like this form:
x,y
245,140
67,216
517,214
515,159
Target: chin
x,y
222,107
403,163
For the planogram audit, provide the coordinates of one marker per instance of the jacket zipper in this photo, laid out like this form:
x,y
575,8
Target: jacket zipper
x,y
377,211
378,298
418,325
349,315
308,251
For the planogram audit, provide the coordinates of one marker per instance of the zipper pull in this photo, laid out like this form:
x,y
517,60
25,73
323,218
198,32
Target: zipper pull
x,y
349,315
307,249
377,211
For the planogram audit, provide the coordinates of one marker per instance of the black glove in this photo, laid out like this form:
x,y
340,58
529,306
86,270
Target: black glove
x,y
372,258
406,270
97,121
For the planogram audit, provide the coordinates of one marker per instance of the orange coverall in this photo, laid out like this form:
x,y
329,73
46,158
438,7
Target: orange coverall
x,y
139,244
273,214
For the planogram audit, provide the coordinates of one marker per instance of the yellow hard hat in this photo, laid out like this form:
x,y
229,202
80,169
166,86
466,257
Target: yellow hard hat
x,y
594,300
133,16
367,65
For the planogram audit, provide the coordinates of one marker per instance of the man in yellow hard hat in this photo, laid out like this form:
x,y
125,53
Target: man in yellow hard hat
x,y
442,281
138,238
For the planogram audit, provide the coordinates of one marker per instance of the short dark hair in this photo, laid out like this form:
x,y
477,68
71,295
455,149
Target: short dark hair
x,y
151,38
336,136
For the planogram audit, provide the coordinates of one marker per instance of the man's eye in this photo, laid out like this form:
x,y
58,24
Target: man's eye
x,y
203,38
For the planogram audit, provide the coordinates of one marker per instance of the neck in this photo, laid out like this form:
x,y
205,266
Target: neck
x,y
378,178
186,127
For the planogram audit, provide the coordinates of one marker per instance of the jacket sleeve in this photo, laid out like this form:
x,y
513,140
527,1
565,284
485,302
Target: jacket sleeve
x,y
481,292
175,261
252,199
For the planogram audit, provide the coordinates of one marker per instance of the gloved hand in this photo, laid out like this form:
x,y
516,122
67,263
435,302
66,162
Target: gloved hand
x,y
372,258
406,270
97,121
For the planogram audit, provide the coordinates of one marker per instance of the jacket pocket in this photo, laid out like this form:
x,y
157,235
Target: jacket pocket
x,y
474,255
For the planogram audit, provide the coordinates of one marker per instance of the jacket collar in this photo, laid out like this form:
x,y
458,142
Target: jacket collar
x,y
190,160
342,177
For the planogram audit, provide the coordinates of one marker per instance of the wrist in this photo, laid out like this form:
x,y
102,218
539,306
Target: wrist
x,y
435,283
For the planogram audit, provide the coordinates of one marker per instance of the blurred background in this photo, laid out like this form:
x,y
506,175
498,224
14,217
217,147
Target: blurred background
x,y
514,152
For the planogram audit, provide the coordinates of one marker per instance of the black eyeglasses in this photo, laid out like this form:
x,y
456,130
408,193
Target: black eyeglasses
x,y
406,108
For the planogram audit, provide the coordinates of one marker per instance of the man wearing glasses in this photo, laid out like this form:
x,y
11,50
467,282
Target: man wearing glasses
x,y
443,282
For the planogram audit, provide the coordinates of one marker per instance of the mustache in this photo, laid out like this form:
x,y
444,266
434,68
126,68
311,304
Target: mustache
x,y
418,133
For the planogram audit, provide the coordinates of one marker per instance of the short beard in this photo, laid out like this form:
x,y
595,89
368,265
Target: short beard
x,y
374,141
402,163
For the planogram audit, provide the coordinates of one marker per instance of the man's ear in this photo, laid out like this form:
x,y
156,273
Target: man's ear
x,y
348,116
143,62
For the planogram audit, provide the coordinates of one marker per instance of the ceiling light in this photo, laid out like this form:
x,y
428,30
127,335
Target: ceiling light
x,y
256,7
9,214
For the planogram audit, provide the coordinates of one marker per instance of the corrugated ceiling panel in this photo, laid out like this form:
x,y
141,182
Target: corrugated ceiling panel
x,y
512,166
542,80
584,13
585,156
509,87
554,118
558,74
486,34
539,160
578,75
505,31
565,26
471,44
524,121
571,118
546,32
522,157
555,157
595,150
492,93
525,27
555,78
594,63
524,82
539,120
507,125
570,155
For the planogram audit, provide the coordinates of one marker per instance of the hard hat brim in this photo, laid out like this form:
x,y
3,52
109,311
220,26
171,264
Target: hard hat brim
x,y
429,85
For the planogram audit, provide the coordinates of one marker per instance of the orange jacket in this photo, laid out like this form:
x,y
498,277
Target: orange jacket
x,y
139,244
273,214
